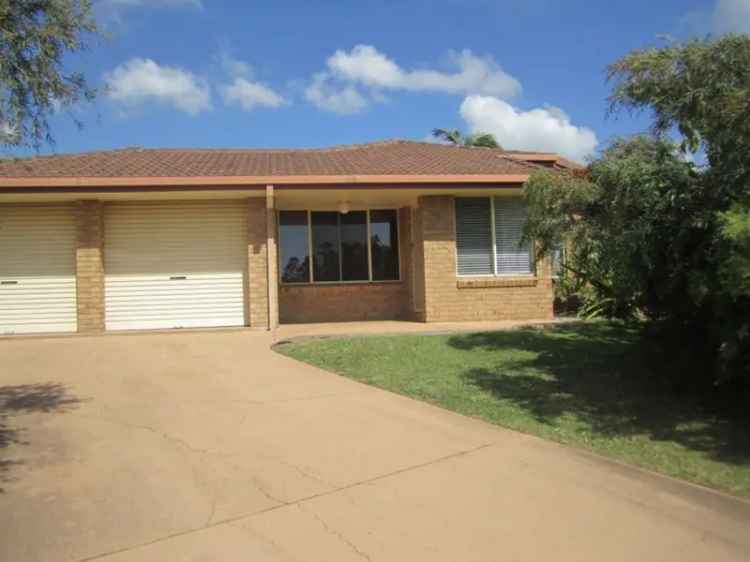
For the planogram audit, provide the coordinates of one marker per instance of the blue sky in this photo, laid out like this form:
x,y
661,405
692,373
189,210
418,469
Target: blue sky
x,y
223,73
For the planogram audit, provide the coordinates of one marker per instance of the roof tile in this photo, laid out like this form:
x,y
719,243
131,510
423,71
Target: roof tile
x,y
395,157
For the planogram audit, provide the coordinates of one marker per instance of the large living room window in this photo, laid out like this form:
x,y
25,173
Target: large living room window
x,y
489,231
294,251
333,247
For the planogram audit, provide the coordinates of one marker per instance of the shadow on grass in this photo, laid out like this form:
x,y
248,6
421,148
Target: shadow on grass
x,y
598,374
26,399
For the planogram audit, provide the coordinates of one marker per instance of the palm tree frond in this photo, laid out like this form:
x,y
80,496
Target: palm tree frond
x,y
452,136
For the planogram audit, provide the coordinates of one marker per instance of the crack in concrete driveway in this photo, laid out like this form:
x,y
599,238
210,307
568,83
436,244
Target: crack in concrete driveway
x,y
210,446
337,534
282,504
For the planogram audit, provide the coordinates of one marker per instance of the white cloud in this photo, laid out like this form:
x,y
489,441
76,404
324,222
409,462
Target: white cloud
x,y
475,75
150,3
141,81
546,129
731,16
367,65
357,78
232,66
250,95
242,90
111,14
341,99
724,16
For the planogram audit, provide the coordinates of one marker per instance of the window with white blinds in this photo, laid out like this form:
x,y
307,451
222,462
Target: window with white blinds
x,y
489,231
473,236
511,256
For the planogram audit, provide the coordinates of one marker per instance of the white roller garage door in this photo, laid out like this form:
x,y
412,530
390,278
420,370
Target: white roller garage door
x,y
175,265
37,268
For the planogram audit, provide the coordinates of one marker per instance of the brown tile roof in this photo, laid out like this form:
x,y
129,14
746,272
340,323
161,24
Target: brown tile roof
x,y
547,159
397,158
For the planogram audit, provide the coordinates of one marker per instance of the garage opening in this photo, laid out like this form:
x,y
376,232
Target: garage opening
x,y
175,264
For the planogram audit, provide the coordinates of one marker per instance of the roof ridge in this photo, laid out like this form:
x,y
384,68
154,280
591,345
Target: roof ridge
x,y
336,147
263,150
71,154
525,163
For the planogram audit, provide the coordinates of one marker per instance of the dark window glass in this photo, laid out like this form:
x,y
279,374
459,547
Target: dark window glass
x,y
384,244
294,260
354,246
325,244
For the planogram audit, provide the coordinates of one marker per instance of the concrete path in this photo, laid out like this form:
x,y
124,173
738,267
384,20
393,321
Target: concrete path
x,y
379,327
209,447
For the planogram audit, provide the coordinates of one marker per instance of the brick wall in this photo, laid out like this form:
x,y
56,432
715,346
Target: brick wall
x,y
344,302
90,266
417,295
450,298
257,262
348,302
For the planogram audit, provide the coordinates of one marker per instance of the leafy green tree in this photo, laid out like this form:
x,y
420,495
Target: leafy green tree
x,y
652,235
701,90
454,136
35,36
618,223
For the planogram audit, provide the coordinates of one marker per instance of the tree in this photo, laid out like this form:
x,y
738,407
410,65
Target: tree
x,y
702,90
454,136
699,88
620,223
652,235
35,36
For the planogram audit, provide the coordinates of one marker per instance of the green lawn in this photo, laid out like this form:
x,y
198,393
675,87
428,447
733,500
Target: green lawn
x,y
584,385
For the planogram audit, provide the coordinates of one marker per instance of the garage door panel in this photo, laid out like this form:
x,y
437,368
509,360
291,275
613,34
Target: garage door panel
x,y
57,299
231,296
162,323
125,302
192,315
192,319
149,268
37,269
191,281
36,326
175,265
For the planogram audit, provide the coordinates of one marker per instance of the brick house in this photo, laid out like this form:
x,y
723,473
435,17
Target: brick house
x,y
158,239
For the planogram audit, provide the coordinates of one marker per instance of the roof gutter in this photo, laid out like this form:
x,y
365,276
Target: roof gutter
x,y
252,182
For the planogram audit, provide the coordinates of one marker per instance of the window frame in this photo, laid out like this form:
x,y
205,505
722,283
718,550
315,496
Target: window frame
x,y
493,238
311,280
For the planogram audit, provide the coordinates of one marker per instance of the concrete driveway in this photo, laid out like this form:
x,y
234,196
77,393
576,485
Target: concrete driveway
x,y
210,447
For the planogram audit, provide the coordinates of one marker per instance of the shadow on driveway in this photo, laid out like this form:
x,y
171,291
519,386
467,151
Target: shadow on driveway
x,y
23,399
